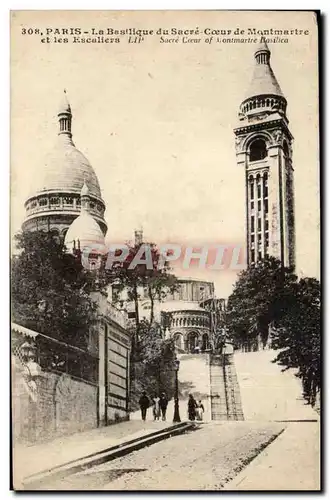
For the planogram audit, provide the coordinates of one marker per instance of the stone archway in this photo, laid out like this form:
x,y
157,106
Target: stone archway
x,y
192,341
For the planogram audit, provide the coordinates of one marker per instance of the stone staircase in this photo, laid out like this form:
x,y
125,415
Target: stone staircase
x,y
224,389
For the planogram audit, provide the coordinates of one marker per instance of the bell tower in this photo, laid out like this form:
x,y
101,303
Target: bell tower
x,y
264,150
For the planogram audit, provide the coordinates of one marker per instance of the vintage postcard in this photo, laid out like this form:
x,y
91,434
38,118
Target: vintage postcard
x,y
165,254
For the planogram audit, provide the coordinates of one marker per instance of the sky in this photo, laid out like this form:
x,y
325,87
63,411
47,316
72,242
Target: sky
x,y
156,122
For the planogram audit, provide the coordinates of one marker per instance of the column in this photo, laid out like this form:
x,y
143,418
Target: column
x,y
274,203
101,381
262,213
285,209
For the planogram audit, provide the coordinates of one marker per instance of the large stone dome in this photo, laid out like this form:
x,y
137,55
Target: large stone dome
x,y
65,170
54,200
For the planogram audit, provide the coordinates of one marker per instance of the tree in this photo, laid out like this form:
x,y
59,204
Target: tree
x,y
141,271
299,336
259,298
269,296
50,289
154,363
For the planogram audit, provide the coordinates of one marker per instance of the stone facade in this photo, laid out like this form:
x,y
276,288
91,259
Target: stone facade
x,y
190,330
59,389
61,406
114,362
263,144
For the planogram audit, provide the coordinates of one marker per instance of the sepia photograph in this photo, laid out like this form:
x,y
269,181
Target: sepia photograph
x,y
165,262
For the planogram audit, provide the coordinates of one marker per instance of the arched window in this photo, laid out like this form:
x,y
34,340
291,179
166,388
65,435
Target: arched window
x,y
54,201
258,150
68,200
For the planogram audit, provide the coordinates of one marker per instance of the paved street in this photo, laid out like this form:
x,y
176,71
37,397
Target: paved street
x,y
291,462
203,459
217,455
30,460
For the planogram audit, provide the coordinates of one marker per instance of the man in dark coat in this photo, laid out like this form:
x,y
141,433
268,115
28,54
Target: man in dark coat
x,y
163,402
144,405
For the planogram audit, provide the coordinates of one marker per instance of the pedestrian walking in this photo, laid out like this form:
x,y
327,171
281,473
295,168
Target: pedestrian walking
x,y
163,402
144,405
200,410
192,405
156,407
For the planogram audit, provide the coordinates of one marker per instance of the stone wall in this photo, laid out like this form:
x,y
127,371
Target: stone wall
x,y
55,405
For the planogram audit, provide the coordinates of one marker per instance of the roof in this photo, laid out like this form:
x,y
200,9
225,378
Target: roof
x,y
64,106
263,81
24,331
85,229
181,305
65,170
262,47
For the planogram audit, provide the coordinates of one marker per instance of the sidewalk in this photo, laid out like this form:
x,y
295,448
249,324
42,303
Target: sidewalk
x,y
291,462
28,460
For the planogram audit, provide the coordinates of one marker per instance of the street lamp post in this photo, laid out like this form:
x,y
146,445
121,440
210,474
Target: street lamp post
x,y
176,416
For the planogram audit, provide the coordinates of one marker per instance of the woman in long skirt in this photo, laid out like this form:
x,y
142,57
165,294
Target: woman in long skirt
x,y
192,405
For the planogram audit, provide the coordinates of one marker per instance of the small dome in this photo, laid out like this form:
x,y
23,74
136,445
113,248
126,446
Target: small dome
x,y
86,230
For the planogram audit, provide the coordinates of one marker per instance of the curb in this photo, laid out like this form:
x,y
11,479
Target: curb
x,y
36,481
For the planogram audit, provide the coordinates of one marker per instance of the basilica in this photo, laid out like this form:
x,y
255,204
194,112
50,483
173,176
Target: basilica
x,y
66,200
